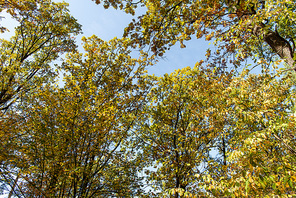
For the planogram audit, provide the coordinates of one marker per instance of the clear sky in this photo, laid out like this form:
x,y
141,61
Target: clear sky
x,y
110,23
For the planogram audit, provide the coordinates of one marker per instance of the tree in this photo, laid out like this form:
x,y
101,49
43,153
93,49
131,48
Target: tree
x,y
179,126
68,141
42,35
191,116
45,31
193,133
262,158
245,28
13,6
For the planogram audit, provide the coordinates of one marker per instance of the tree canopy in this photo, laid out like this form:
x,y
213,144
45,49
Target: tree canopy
x,y
95,124
245,28
42,35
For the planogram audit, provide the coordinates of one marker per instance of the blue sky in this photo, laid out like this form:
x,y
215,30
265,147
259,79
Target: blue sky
x,y
110,23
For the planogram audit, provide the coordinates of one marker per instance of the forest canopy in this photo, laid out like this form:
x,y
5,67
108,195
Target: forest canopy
x,y
92,122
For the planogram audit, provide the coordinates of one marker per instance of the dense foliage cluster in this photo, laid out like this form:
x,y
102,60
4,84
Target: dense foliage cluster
x,y
108,129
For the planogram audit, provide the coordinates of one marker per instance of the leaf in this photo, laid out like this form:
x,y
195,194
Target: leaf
x,y
247,186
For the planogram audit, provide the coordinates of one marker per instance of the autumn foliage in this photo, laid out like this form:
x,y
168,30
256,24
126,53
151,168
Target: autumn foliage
x,y
95,124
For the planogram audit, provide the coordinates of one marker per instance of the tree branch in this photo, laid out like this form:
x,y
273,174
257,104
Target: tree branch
x,y
278,44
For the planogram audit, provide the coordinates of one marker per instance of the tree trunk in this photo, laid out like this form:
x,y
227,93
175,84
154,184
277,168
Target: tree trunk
x,y
279,45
